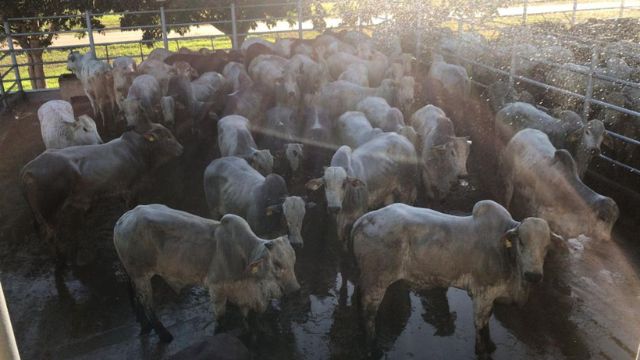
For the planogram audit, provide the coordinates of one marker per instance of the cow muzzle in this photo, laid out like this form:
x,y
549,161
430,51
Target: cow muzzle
x,y
334,209
532,277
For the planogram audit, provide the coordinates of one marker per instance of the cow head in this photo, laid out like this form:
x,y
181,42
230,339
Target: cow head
x,y
606,213
294,154
261,160
394,119
588,139
162,145
168,106
294,210
287,90
86,132
578,209
409,133
283,260
73,61
136,115
527,244
443,164
337,187
405,93
461,148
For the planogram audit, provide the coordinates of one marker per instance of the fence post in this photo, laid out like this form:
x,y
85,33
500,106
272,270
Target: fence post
x,y
513,66
300,19
2,95
573,14
418,7
163,22
8,347
92,45
587,98
525,4
14,61
621,8
234,27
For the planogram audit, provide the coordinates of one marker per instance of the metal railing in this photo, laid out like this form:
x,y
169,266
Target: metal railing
x,y
15,80
591,74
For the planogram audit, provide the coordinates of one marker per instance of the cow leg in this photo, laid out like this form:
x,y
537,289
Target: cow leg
x,y
370,302
138,310
144,293
219,302
482,308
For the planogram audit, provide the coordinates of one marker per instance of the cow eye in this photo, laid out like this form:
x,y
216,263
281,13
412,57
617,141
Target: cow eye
x,y
85,129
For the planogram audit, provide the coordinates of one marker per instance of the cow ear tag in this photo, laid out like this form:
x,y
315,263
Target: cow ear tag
x,y
507,243
254,267
150,137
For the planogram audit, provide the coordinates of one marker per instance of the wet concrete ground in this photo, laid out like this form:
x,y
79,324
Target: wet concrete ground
x,y
587,307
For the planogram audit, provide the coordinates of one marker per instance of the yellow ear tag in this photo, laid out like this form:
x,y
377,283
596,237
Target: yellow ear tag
x,y
269,212
254,269
150,137
508,244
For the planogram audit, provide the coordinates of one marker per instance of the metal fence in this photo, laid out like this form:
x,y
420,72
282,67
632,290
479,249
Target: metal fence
x,y
591,74
12,74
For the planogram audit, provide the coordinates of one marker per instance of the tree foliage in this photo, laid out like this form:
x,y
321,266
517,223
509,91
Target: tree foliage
x,y
41,11
216,13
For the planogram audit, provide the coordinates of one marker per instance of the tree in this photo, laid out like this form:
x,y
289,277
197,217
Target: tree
x,y
40,11
217,13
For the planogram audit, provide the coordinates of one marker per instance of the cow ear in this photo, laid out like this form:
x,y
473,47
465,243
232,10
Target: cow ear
x,y
315,184
442,147
150,136
566,159
274,209
355,182
259,257
510,238
607,140
575,136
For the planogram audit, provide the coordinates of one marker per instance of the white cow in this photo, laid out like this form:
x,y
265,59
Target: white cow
x,y
60,129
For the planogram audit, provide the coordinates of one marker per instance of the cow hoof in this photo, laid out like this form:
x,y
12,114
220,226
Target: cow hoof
x,y
145,329
485,348
165,337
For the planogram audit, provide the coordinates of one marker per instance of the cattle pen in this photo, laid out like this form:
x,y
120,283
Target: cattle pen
x,y
585,307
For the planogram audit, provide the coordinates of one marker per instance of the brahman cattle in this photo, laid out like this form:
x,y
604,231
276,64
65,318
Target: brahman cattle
x,y
571,133
231,186
354,129
341,96
226,257
124,71
443,155
97,81
488,254
542,181
72,178
377,173
234,139
380,114
60,129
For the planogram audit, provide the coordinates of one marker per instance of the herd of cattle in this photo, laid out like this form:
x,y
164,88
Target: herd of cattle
x,y
375,131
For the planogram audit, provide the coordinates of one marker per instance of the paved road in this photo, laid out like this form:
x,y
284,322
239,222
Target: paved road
x,y
551,8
